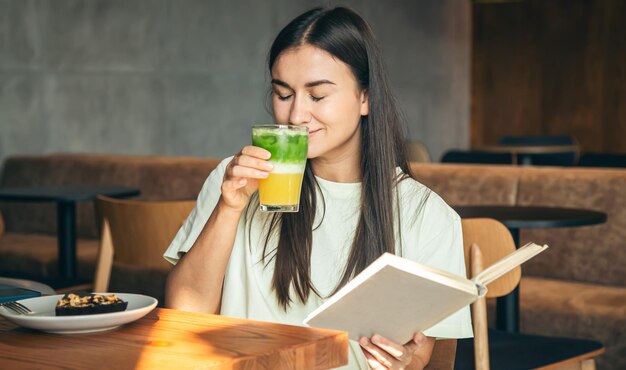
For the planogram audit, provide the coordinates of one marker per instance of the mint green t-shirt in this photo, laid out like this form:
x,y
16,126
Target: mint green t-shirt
x,y
430,233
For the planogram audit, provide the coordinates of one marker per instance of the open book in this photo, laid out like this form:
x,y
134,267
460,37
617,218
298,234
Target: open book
x,y
10,293
396,297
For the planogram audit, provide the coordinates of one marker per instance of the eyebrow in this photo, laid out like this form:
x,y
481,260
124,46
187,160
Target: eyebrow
x,y
308,84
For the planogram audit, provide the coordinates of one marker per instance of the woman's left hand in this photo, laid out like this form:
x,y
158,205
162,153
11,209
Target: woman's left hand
x,y
381,353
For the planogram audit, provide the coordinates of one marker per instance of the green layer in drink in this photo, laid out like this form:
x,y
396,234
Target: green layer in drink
x,y
287,146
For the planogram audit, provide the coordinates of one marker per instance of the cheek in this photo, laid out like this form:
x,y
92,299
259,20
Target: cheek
x,y
281,112
344,111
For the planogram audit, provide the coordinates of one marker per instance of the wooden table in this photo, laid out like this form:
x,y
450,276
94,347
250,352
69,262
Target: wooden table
x,y
171,339
66,198
527,217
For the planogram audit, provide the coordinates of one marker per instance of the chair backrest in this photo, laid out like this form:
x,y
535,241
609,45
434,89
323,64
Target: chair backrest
x,y
475,156
485,242
417,152
602,160
136,233
495,242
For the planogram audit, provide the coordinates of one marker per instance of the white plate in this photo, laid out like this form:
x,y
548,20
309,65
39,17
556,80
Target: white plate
x,y
43,317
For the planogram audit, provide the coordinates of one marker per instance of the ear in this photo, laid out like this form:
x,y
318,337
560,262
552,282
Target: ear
x,y
365,105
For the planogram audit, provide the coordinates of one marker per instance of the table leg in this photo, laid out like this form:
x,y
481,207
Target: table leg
x,y
66,232
526,160
507,307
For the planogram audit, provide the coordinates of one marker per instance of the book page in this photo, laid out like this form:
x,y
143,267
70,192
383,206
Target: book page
x,y
394,297
508,263
402,264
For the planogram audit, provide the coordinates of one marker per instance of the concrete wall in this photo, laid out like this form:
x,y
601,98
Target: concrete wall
x,y
187,77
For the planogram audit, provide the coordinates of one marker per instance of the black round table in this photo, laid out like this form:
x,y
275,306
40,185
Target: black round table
x,y
65,197
527,217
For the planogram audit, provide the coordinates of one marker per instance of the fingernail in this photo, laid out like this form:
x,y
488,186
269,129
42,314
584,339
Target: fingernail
x,y
263,174
376,338
363,341
268,165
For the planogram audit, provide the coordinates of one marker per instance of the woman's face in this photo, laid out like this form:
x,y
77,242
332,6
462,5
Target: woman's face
x,y
312,88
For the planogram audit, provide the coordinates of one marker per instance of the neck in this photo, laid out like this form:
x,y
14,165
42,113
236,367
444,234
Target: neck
x,y
338,169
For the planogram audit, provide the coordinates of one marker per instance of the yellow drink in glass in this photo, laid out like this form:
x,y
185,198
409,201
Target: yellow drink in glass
x,y
280,192
280,189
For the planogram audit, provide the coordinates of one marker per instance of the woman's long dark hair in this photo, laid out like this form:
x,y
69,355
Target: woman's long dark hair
x,y
345,35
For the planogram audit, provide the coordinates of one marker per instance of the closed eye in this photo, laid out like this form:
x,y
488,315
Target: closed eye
x,y
316,98
281,97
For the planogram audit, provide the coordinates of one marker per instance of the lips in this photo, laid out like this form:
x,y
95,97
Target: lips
x,y
311,132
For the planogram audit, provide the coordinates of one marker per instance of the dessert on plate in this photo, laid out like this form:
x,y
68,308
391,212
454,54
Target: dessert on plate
x,y
89,304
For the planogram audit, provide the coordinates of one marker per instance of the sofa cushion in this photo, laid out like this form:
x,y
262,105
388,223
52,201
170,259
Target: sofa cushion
x,y
156,177
592,253
469,184
577,310
36,255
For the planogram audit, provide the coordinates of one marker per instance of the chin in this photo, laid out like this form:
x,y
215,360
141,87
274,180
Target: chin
x,y
312,154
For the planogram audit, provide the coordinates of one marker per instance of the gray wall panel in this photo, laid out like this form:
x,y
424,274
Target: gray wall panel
x,y
93,113
187,77
19,31
22,129
101,35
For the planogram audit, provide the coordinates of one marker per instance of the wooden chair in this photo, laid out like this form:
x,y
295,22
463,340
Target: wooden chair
x,y
135,233
487,241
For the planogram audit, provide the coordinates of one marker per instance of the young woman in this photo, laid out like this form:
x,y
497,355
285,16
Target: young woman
x,y
358,199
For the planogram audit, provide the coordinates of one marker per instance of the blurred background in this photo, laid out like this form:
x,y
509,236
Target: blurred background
x,y
519,83
188,77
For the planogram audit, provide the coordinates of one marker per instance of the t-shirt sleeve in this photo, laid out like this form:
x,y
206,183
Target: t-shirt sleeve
x,y
440,245
193,225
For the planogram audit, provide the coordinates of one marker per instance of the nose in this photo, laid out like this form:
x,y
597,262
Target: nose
x,y
300,111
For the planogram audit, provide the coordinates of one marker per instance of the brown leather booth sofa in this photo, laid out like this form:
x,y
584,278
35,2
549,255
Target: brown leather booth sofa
x,y
28,247
575,289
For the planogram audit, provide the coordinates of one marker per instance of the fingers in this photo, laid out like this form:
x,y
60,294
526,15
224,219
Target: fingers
x,y
418,340
250,163
373,364
234,184
255,151
251,157
381,352
242,169
394,349
377,353
242,174
245,161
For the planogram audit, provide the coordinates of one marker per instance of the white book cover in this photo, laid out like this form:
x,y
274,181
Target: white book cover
x,y
396,297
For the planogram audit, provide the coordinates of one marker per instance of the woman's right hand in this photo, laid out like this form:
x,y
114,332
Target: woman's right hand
x,y
242,175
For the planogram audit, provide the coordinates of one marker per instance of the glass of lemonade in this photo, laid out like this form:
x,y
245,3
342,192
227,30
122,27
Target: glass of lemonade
x,y
280,191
